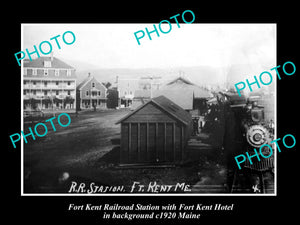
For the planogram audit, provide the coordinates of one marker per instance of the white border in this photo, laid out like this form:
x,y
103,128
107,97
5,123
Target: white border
x,y
148,194
22,119
275,119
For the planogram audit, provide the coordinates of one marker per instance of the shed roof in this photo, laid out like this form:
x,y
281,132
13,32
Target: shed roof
x,y
167,106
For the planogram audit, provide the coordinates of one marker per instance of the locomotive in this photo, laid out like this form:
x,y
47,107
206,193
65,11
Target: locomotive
x,y
254,131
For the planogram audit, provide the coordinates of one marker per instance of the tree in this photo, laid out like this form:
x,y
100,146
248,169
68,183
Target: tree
x,y
112,98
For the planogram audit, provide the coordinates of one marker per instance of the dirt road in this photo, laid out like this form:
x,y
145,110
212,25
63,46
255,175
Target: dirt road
x,y
77,147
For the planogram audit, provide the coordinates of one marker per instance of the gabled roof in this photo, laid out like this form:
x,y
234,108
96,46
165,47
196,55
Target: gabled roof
x,y
167,106
182,85
180,79
39,63
86,81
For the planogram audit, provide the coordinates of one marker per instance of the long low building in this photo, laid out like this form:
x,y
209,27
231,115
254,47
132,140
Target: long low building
x,y
184,93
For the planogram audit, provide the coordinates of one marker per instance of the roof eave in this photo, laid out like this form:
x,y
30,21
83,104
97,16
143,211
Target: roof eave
x,y
157,104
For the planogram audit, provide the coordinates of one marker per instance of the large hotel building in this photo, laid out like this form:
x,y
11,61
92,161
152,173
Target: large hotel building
x,y
49,84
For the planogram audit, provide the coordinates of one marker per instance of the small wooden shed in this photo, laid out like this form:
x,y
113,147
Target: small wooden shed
x,y
156,132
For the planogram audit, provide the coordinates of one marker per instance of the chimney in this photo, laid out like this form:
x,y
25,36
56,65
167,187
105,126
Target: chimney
x,y
51,56
89,74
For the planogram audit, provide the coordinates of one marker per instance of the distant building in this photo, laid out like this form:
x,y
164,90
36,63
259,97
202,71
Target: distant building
x,y
91,94
200,95
49,84
185,100
184,93
126,89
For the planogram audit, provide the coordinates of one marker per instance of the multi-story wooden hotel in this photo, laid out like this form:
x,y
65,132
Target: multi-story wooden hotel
x,y
49,84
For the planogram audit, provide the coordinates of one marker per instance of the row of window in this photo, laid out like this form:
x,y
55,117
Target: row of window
x,y
46,83
45,92
94,93
57,92
46,72
129,92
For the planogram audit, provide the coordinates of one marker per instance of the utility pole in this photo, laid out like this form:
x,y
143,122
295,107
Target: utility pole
x,y
119,98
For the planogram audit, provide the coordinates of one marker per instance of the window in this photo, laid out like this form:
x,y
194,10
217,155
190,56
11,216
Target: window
x,y
56,72
99,93
68,72
45,72
69,92
47,63
34,92
45,83
45,93
56,83
69,83
87,93
25,71
34,82
57,93
34,72
93,84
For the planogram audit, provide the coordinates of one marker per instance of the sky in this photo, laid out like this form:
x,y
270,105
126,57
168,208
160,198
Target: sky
x,y
115,46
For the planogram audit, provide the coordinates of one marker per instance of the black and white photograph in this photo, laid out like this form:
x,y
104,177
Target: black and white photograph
x,y
150,113
131,109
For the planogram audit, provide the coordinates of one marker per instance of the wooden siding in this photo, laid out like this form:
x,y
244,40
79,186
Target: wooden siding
x,y
124,143
88,87
152,142
153,135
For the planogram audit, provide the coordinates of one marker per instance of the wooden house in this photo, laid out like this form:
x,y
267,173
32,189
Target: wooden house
x,y
155,133
91,94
